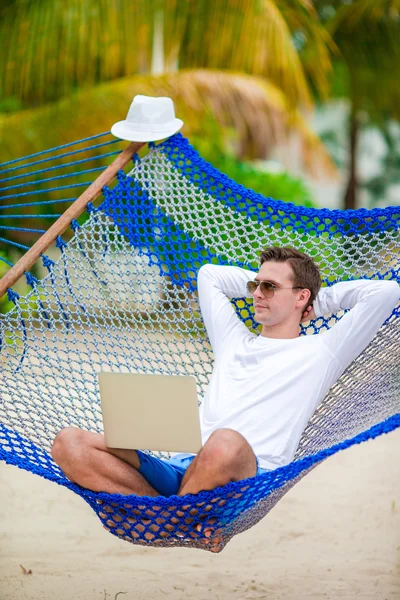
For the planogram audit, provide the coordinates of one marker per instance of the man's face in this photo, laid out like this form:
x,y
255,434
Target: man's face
x,y
285,303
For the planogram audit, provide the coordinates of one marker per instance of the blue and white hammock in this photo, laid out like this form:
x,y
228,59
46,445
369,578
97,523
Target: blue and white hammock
x,y
121,296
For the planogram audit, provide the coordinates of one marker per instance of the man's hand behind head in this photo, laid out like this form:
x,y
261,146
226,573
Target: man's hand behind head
x,y
308,314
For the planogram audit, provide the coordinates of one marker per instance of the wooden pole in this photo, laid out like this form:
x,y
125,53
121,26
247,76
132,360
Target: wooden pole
x,y
63,222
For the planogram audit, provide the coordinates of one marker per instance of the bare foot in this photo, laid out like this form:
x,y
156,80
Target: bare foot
x,y
133,524
212,537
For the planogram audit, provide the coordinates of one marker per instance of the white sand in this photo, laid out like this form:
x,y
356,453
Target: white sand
x,y
335,535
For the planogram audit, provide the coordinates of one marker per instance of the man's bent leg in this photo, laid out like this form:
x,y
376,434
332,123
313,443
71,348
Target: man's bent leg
x,y
87,461
225,457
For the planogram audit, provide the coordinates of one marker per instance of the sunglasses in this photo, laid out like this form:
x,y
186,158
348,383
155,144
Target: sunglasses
x,y
267,288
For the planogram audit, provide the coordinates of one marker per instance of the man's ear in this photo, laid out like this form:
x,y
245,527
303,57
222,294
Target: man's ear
x,y
303,298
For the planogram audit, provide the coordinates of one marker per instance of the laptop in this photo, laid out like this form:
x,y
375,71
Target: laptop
x,y
150,412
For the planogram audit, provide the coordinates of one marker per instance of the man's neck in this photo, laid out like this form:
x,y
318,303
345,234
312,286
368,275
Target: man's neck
x,y
281,331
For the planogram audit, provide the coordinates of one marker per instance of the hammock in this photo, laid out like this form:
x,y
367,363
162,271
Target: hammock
x,y
121,296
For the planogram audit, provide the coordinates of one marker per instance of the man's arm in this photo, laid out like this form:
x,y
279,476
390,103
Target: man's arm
x,y
216,285
370,302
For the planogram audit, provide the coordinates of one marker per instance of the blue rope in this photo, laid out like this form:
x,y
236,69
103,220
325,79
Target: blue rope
x,y
14,297
93,137
61,245
134,212
22,229
23,204
54,216
62,166
49,263
14,244
43,160
33,281
282,215
240,496
10,264
61,187
37,182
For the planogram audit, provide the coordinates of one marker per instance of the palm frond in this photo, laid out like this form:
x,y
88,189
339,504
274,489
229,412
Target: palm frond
x,y
313,42
249,110
50,48
367,33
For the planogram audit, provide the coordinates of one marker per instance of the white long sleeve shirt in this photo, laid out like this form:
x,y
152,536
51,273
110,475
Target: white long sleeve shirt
x,y
267,389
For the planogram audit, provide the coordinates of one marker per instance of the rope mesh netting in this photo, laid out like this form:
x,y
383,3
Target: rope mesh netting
x,y
123,297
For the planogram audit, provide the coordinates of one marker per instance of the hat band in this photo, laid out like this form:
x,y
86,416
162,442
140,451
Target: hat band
x,y
149,126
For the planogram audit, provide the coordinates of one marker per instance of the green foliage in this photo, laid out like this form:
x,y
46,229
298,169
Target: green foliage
x,y
378,186
5,303
51,48
366,58
279,186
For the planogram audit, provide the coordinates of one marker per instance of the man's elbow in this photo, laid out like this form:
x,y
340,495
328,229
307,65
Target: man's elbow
x,y
204,271
393,289
391,292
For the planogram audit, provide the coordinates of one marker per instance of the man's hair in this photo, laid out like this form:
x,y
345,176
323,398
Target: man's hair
x,y
305,271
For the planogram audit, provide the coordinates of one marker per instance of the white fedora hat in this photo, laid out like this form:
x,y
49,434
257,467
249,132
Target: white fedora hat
x,y
148,119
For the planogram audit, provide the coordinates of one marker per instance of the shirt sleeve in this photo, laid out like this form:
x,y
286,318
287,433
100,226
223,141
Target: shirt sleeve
x,y
370,302
216,285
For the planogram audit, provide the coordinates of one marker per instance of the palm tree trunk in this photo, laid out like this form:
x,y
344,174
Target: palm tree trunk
x,y
157,59
350,197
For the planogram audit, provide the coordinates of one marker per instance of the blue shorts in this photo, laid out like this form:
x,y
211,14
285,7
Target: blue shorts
x,y
165,475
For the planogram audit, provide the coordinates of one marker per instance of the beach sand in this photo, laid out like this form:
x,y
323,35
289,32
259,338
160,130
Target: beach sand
x,y
335,535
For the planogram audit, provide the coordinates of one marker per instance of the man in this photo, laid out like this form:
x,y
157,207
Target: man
x,y
264,388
